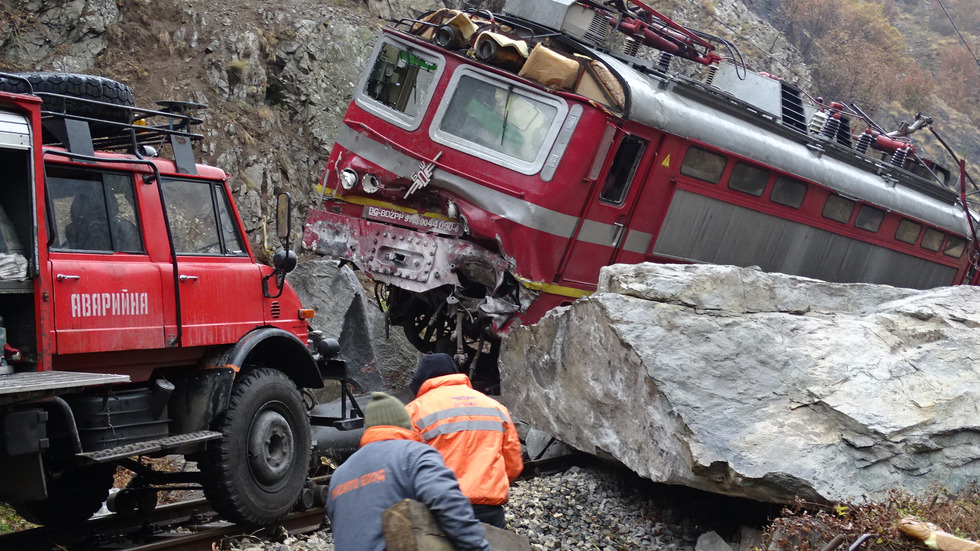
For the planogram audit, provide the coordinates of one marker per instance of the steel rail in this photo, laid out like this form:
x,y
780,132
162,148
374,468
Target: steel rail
x,y
193,525
295,523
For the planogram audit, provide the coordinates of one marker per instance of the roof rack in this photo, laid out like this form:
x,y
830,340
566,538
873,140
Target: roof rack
x,y
83,126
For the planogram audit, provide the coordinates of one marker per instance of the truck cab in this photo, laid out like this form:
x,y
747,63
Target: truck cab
x,y
137,321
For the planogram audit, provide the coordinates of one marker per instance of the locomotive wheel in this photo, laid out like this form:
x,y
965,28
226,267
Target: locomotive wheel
x,y
74,494
424,336
255,473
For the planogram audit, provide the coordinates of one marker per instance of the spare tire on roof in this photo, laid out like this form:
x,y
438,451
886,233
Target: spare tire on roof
x,y
113,96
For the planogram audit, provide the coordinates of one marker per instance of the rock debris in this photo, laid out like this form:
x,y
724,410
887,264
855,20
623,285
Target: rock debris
x,y
594,507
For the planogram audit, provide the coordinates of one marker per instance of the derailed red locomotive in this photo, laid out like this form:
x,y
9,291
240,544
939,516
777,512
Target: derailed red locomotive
x,y
490,164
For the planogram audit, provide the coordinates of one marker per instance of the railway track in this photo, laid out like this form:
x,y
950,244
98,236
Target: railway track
x,y
187,525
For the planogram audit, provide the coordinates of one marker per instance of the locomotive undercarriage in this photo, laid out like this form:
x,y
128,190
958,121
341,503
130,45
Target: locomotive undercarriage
x,y
448,294
462,320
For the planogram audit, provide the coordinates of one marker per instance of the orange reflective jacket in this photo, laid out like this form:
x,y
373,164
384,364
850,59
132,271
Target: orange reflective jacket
x,y
474,434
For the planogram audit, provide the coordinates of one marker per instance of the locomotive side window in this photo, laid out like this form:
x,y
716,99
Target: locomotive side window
x,y
500,122
908,231
838,208
748,179
399,84
622,170
703,165
200,218
92,211
869,218
789,192
955,246
932,240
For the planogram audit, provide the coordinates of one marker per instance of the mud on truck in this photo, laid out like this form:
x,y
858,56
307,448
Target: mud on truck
x,y
136,320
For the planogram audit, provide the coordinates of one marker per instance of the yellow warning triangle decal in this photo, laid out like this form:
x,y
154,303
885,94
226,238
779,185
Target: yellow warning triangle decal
x,y
666,162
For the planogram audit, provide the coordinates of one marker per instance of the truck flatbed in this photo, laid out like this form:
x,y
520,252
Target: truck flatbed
x,y
51,383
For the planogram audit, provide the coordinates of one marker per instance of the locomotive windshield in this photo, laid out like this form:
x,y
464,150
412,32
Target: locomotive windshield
x,y
498,119
500,122
399,83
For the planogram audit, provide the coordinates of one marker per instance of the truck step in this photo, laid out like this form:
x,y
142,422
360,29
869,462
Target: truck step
x,y
148,446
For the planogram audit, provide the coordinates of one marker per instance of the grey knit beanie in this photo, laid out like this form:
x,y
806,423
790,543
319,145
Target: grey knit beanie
x,y
384,409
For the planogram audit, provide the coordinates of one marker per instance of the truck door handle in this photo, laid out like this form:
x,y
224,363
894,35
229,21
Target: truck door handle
x,y
63,277
188,278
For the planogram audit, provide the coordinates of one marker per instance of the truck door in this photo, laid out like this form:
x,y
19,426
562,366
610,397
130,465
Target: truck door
x,y
107,293
220,287
621,163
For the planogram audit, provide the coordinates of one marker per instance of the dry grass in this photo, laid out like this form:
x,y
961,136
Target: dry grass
x,y
807,527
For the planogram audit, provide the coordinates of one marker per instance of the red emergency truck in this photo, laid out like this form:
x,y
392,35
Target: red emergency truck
x,y
137,320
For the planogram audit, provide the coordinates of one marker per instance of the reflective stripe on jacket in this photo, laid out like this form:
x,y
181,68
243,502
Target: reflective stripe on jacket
x,y
392,465
474,434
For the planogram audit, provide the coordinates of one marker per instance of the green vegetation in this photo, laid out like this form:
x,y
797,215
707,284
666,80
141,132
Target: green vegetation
x,y
10,521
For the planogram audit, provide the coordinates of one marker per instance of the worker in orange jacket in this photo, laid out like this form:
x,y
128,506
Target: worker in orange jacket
x,y
473,432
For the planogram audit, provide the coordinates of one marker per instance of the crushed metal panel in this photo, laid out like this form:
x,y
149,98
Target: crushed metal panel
x,y
407,258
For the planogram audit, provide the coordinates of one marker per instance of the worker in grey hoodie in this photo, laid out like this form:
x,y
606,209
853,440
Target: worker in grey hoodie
x,y
393,464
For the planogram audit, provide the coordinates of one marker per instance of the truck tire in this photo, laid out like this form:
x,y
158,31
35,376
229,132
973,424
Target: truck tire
x,y
113,97
255,473
74,494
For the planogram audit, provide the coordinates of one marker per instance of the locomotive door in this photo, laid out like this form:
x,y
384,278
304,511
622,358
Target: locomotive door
x,y
617,174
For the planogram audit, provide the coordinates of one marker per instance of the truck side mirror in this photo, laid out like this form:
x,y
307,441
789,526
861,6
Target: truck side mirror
x,y
283,218
283,261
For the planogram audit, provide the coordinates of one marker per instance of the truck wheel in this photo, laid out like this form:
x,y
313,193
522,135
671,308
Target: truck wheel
x,y
74,493
255,473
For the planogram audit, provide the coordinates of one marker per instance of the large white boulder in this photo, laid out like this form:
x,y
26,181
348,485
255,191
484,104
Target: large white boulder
x,y
760,385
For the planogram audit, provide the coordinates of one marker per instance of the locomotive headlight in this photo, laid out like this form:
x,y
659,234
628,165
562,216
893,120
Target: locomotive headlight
x,y
348,178
452,210
370,183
